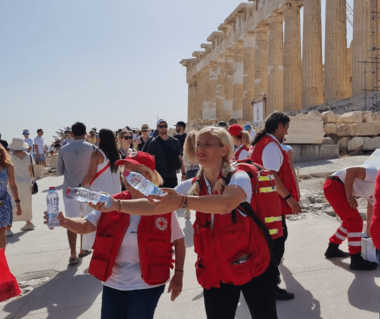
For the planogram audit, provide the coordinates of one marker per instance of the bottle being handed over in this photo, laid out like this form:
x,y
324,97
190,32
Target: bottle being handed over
x,y
52,201
140,183
84,195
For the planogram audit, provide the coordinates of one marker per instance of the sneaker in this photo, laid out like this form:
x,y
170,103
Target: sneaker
x,y
359,263
28,227
8,233
187,215
333,251
282,294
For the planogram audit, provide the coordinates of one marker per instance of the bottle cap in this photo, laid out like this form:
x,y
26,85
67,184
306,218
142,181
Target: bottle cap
x,y
126,173
51,187
68,190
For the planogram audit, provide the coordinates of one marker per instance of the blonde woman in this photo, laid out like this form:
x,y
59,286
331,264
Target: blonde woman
x,y
233,255
242,141
134,275
7,175
125,140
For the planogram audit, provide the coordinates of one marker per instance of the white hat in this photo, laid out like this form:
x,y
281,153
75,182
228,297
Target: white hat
x,y
18,144
25,132
160,121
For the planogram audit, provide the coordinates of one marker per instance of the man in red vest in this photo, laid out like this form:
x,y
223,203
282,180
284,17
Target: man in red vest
x,y
268,153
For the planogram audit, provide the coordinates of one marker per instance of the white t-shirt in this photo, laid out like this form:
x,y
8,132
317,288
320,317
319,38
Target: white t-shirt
x,y
243,154
272,157
240,179
41,145
286,148
29,142
126,273
362,188
252,134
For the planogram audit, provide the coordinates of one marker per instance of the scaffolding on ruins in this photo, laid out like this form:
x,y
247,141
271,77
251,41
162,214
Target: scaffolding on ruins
x,y
372,89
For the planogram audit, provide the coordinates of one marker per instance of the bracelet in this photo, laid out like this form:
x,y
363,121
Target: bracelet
x,y
185,203
287,197
182,201
119,205
179,270
17,201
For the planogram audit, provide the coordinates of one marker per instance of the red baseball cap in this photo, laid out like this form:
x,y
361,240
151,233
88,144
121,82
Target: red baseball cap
x,y
235,130
139,158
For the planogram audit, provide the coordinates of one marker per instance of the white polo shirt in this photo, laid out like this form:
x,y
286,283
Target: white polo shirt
x,y
272,156
362,188
41,145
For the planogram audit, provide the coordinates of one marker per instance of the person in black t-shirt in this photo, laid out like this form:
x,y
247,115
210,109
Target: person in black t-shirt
x,y
180,135
161,148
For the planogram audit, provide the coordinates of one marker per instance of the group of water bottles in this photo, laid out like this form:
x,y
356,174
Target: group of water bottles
x,y
81,194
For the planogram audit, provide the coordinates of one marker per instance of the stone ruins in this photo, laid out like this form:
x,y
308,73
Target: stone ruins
x,y
256,53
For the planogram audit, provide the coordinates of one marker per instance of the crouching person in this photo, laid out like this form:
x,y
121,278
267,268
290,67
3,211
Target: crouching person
x,y
133,254
340,189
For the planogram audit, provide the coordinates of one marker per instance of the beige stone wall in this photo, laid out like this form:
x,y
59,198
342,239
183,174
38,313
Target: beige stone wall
x,y
238,65
220,88
249,76
228,84
261,61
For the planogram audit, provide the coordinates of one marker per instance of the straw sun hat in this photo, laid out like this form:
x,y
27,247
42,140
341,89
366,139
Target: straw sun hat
x,y
18,144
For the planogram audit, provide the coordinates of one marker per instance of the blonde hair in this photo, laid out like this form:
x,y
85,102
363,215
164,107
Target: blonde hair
x,y
120,135
224,138
155,176
245,138
189,148
5,159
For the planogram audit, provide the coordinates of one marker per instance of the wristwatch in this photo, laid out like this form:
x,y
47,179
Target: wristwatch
x,y
17,201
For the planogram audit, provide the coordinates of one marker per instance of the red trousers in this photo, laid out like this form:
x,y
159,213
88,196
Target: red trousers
x,y
352,224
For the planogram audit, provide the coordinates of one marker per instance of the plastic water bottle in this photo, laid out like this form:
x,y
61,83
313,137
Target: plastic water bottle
x,y
52,201
140,183
84,195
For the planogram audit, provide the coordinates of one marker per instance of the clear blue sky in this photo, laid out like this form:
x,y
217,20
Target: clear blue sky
x,y
106,63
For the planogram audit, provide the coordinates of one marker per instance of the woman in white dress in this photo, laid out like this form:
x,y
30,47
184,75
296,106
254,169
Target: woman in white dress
x,y
22,163
103,174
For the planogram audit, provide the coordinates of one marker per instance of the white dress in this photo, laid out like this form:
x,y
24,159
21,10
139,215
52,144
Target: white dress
x,y
24,187
108,182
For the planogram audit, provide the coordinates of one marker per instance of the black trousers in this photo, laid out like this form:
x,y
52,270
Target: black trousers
x,y
259,294
279,243
170,182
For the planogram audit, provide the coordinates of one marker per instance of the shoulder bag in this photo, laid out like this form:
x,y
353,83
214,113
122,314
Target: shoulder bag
x,y
34,183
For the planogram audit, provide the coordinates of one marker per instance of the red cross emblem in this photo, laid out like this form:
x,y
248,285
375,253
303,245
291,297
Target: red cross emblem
x,y
161,223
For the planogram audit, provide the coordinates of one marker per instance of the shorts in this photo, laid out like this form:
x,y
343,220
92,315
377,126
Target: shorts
x,y
42,158
75,209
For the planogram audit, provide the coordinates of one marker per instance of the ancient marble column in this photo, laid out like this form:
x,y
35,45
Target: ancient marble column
x,y
275,64
228,83
211,113
335,51
190,100
292,59
361,44
261,60
349,70
199,97
312,71
220,88
237,102
205,92
249,76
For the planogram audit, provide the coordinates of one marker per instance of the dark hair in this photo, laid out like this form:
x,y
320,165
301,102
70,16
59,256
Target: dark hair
x,y
78,129
39,130
271,125
109,147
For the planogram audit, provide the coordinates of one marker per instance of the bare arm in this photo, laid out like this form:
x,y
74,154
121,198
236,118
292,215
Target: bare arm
x,y
13,187
92,169
29,149
283,192
76,225
175,286
351,174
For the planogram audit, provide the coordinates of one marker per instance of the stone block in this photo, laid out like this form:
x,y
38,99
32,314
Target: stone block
x,y
315,113
342,143
376,117
343,130
38,171
329,117
305,130
364,129
356,144
301,115
351,117
367,116
330,128
53,161
371,143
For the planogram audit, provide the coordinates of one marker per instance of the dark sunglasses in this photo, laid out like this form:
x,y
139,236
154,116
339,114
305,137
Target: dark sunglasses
x,y
162,126
144,130
127,137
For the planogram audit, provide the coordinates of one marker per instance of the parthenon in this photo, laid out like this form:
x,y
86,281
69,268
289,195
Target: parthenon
x,y
256,52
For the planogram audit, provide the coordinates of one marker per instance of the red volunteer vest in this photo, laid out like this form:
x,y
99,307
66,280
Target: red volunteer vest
x,y
219,247
154,241
236,154
375,224
285,173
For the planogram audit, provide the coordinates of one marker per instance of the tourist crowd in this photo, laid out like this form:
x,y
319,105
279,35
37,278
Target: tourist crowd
x,y
241,185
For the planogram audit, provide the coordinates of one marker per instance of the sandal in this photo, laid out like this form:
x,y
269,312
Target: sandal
x,y
73,261
86,253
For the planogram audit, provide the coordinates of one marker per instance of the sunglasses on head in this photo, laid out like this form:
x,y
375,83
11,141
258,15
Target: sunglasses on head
x,y
162,126
127,137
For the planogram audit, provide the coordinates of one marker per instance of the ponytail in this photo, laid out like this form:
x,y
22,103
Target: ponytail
x,y
271,125
245,139
260,134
